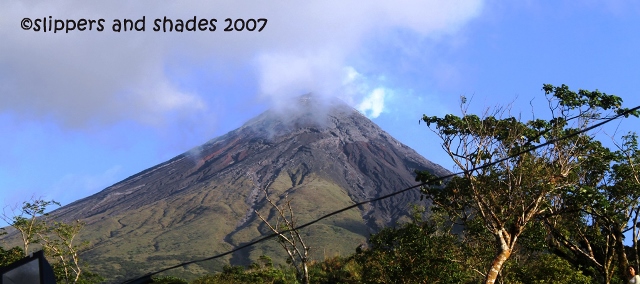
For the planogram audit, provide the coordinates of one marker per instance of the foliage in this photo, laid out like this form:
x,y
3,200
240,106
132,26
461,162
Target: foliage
x,y
605,200
508,184
168,280
55,238
414,253
9,256
89,277
544,268
238,274
58,242
336,270
29,222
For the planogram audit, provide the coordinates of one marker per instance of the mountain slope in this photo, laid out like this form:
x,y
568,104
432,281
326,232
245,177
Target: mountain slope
x,y
322,154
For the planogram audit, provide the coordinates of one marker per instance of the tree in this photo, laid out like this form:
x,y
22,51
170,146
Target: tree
x,y
55,237
580,231
545,268
416,252
289,237
58,242
505,181
625,188
599,210
29,221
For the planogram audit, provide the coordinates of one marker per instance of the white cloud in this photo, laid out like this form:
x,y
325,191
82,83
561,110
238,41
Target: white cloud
x,y
163,98
86,77
373,104
351,75
285,75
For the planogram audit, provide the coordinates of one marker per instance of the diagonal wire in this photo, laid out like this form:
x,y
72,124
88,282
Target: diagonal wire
x,y
147,276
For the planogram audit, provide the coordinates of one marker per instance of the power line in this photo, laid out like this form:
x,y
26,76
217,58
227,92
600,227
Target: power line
x,y
146,277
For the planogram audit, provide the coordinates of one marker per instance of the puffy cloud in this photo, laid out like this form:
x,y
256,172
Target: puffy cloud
x,y
283,75
84,77
373,104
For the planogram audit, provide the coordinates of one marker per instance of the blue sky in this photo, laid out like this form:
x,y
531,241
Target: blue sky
x,y
82,110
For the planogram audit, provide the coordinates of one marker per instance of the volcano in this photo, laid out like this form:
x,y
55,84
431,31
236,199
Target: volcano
x,y
322,154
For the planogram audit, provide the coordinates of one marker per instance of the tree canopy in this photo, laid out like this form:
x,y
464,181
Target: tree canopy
x,y
516,173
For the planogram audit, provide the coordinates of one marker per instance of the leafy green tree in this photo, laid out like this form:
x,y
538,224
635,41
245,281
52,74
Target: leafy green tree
x,y
56,238
580,229
544,268
624,193
605,202
336,269
9,256
29,221
504,185
415,252
58,242
238,274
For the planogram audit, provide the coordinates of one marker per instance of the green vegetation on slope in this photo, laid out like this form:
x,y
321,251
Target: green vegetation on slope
x,y
415,252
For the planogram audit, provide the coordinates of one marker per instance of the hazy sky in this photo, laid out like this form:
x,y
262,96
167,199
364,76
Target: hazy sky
x,y
82,110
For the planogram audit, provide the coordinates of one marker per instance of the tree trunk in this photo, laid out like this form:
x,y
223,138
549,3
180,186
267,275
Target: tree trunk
x,y
496,265
505,247
305,276
505,241
635,235
623,262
